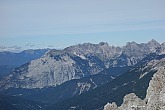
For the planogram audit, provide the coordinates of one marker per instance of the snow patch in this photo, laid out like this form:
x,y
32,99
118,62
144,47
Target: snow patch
x,y
142,75
79,55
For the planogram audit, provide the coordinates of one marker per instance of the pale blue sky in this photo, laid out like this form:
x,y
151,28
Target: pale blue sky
x,y
61,23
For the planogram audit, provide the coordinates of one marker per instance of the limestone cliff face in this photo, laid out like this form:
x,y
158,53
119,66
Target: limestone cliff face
x,y
155,97
156,91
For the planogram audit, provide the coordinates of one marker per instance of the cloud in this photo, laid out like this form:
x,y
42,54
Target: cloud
x,y
50,46
29,45
2,47
10,48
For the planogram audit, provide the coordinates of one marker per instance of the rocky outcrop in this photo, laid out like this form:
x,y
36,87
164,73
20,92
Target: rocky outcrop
x,y
130,102
110,106
156,91
155,97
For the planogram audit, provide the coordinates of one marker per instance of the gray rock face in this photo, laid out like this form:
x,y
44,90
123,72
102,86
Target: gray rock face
x,y
156,91
155,98
131,102
74,62
110,106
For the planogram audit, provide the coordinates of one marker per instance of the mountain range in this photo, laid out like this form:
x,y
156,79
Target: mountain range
x,y
84,76
75,62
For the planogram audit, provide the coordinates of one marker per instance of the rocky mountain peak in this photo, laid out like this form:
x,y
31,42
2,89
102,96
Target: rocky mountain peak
x,y
153,42
153,45
163,44
103,44
131,46
131,43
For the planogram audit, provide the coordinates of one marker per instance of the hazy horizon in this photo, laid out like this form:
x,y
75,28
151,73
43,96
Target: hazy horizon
x,y
16,49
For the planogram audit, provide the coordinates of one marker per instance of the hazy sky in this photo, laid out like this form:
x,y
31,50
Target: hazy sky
x,y
60,23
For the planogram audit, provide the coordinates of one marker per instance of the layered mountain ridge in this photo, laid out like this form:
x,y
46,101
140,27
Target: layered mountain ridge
x,y
75,62
18,59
